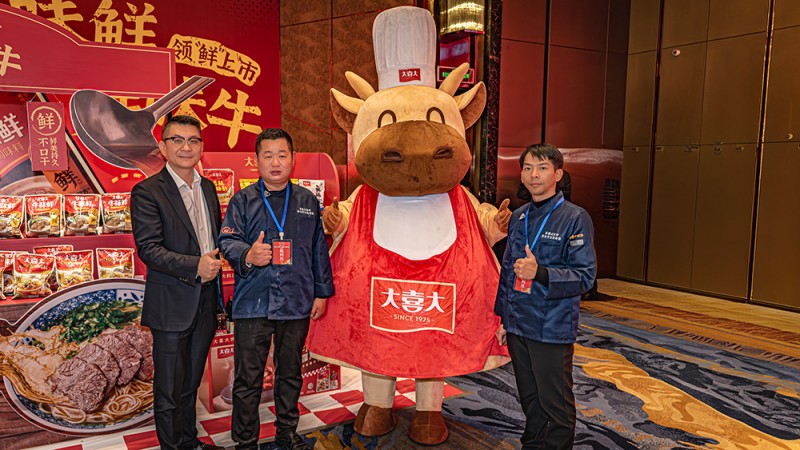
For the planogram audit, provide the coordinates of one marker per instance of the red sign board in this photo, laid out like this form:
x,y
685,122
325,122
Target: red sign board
x,y
404,306
36,55
13,137
48,145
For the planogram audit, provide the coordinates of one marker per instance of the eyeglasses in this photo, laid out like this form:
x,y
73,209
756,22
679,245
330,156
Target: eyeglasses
x,y
180,140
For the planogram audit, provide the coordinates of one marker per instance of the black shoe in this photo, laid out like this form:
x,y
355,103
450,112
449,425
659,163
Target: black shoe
x,y
204,446
291,441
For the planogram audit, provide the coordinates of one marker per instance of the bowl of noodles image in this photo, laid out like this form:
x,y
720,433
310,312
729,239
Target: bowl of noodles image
x,y
78,362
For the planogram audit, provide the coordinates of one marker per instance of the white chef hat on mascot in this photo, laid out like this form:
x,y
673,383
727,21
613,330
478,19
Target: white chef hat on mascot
x,y
404,39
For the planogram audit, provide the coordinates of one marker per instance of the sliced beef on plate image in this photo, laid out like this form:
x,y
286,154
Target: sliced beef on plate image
x,y
82,382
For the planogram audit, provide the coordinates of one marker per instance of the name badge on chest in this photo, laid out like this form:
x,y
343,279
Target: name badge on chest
x,y
282,252
522,285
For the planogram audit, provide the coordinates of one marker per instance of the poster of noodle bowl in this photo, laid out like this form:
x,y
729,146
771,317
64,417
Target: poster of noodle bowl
x,y
79,362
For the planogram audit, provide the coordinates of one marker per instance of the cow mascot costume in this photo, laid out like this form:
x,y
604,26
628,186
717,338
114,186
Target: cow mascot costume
x,y
414,272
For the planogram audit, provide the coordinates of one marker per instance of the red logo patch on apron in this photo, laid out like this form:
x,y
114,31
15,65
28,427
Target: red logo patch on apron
x,y
406,306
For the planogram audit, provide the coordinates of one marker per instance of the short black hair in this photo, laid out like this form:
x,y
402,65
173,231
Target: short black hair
x,y
181,120
273,134
543,151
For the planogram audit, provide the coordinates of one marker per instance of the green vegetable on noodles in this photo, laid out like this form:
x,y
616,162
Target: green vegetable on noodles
x,y
88,321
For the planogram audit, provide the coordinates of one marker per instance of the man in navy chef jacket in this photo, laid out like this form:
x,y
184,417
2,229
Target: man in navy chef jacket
x,y
548,263
272,236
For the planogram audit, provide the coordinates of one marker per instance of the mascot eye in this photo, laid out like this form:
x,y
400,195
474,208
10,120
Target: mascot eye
x,y
389,113
435,110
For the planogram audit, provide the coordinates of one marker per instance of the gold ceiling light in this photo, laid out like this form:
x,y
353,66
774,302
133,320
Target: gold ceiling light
x,y
462,15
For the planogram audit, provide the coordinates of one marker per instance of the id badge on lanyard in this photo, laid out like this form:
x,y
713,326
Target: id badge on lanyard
x,y
521,285
281,248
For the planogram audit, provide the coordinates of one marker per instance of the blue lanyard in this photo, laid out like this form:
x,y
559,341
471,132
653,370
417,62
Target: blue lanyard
x,y
544,222
272,213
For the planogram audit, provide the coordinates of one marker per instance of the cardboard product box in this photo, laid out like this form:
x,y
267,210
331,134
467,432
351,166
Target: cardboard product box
x,y
216,387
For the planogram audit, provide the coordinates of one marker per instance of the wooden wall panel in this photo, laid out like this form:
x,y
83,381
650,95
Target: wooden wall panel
x,y
580,24
634,204
680,96
575,98
782,122
777,244
521,79
732,93
639,99
644,21
729,18
672,216
724,219
685,22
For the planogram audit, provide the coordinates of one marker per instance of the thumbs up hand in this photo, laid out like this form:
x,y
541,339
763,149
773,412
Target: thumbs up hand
x,y
525,268
332,217
503,216
260,253
209,266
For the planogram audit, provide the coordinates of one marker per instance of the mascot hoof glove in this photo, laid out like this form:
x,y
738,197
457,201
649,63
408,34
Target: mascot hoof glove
x,y
374,421
428,428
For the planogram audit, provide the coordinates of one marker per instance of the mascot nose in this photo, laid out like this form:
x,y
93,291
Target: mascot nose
x,y
443,153
392,155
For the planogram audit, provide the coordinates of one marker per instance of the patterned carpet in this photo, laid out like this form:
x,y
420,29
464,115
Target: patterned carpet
x,y
646,377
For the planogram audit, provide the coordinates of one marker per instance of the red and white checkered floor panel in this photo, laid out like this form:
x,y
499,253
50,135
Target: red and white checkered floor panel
x,y
316,411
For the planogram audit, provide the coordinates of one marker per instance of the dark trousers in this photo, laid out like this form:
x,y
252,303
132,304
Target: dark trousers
x,y
544,381
179,358
251,341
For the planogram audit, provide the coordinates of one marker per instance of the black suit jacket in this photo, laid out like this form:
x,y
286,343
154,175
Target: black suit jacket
x,y
167,244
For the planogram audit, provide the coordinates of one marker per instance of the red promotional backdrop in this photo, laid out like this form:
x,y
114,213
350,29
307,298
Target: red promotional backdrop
x,y
234,42
51,48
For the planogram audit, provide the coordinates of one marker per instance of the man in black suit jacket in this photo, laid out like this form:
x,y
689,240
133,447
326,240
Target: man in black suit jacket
x,y
176,217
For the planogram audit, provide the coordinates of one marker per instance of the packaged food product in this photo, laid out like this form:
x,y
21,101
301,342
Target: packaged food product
x,y
43,214
74,267
223,182
52,250
7,269
30,275
115,263
317,187
81,212
2,278
11,211
116,210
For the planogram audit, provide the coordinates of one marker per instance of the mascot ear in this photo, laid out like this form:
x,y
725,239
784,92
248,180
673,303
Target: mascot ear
x,y
344,109
471,104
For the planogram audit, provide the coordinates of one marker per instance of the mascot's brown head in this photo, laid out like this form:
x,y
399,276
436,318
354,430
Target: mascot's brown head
x,y
409,140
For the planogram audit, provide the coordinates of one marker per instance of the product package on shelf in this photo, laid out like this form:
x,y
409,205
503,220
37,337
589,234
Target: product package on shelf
x,y
12,209
31,273
223,182
74,268
317,187
217,385
115,263
7,269
43,215
52,250
81,213
116,212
